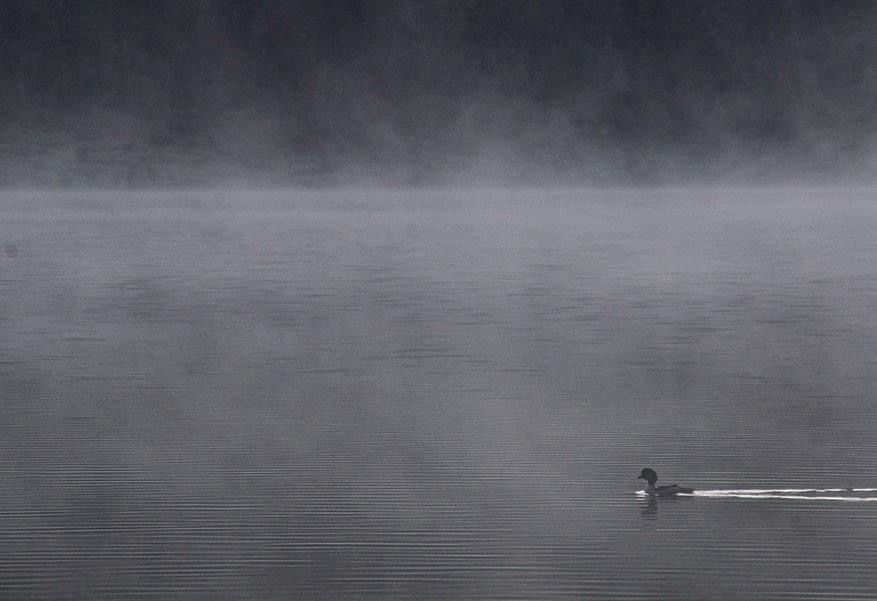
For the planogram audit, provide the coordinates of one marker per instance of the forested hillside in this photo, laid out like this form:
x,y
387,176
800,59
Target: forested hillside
x,y
271,92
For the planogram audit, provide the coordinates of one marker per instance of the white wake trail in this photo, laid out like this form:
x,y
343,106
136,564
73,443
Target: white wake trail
x,y
777,491
853,495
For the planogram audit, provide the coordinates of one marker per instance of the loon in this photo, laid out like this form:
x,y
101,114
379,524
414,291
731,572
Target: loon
x,y
650,476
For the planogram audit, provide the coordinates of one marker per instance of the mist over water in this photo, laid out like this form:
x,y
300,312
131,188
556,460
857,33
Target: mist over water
x,y
437,395
393,300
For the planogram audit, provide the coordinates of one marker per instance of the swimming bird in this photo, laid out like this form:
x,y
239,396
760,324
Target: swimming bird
x,y
650,476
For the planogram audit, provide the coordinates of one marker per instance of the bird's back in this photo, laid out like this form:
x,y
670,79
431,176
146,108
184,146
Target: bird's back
x,y
673,489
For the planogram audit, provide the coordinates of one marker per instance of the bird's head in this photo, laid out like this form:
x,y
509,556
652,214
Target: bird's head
x,y
649,475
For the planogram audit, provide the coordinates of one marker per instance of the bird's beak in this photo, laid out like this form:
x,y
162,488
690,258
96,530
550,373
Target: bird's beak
x,y
640,477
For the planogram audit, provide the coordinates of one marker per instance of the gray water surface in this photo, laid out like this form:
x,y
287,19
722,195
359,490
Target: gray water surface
x,y
436,395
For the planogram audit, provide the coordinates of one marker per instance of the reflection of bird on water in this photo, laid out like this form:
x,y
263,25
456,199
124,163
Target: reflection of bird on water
x,y
650,476
650,509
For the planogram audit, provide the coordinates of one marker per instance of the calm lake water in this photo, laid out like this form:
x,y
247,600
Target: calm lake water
x,y
437,395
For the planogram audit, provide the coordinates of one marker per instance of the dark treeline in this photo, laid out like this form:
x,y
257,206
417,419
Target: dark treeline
x,y
278,92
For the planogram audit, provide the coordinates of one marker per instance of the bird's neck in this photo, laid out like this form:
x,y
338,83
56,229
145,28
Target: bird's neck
x,y
651,487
